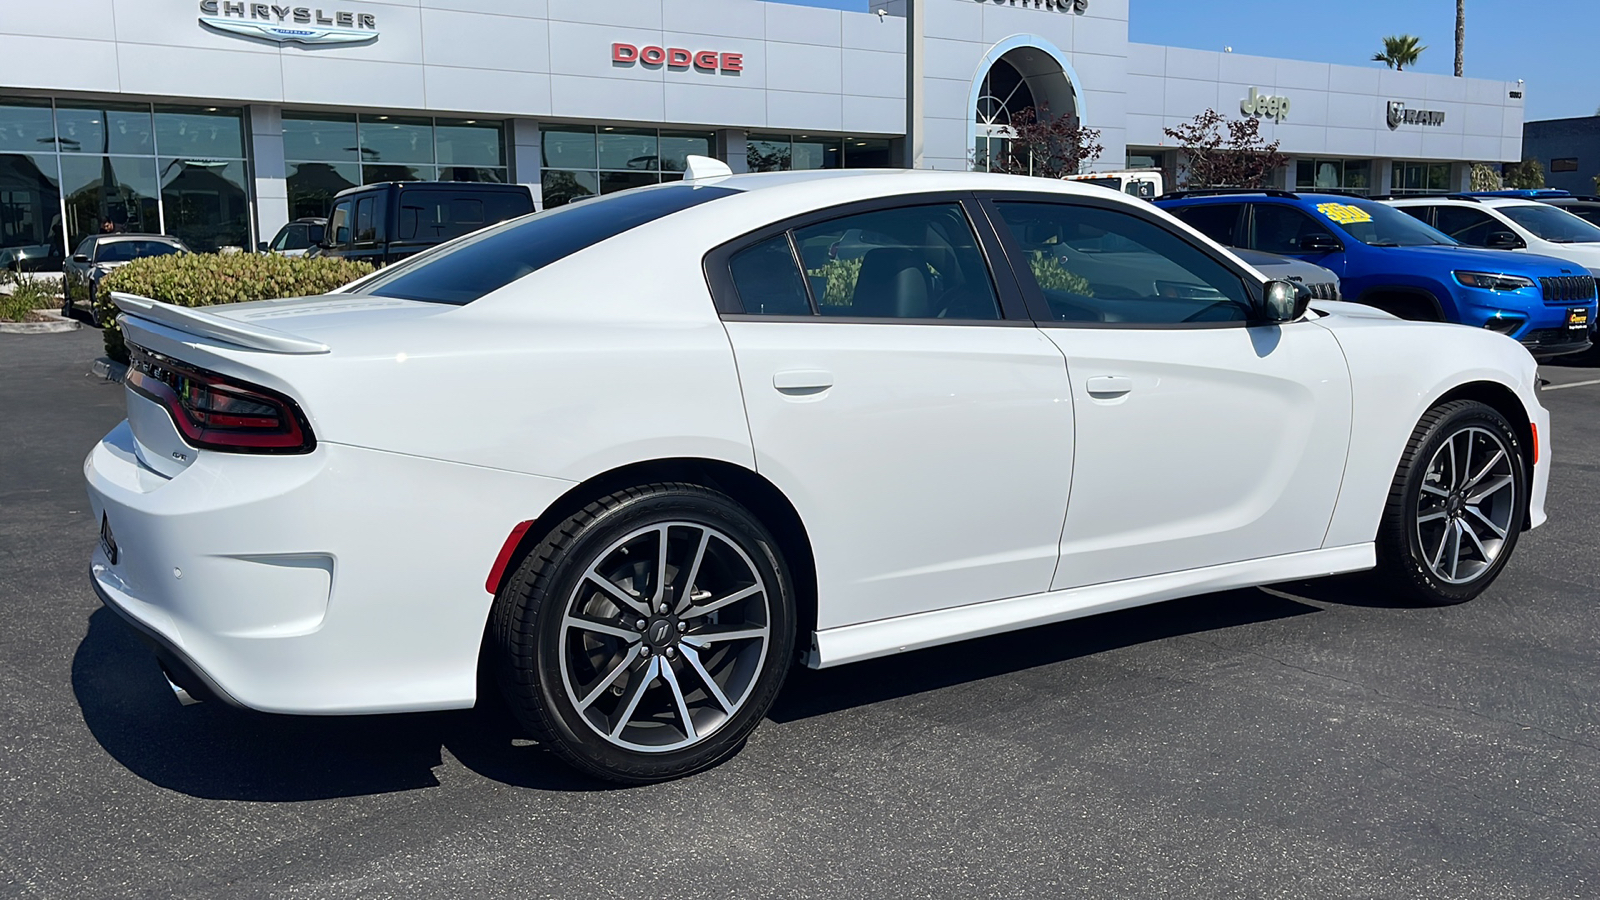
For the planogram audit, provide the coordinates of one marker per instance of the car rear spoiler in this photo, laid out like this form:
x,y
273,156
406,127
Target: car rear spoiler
x,y
203,324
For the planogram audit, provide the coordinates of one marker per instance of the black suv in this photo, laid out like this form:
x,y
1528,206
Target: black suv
x,y
382,223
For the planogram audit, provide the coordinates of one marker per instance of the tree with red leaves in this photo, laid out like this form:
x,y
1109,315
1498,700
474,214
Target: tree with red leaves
x,y
1225,153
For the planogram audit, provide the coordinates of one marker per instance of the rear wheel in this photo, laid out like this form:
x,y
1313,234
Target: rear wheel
x,y
1456,507
647,634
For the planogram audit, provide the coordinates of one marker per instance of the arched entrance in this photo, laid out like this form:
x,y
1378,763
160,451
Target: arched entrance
x,y
1021,72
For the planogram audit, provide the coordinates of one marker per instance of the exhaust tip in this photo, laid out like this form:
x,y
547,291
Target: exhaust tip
x,y
183,695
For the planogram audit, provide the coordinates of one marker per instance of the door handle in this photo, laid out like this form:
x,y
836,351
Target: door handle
x,y
800,382
1105,386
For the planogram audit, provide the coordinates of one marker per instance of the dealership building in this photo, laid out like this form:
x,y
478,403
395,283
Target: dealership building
x,y
219,121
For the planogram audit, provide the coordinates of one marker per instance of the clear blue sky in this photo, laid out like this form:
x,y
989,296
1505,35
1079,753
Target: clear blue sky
x,y
1554,45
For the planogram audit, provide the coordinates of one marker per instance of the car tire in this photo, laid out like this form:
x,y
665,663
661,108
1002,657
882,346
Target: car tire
x,y
635,678
1456,507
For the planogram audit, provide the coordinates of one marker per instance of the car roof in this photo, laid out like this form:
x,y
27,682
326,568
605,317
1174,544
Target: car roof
x,y
1258,196
114,238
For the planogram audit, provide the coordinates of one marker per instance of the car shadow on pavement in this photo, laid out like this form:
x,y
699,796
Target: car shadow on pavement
x,y
819,692
217,752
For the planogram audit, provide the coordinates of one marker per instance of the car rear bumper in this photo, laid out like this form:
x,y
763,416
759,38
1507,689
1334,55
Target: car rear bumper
x,y
341,581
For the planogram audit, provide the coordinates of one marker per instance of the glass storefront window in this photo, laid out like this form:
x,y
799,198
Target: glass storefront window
x,y
623,148
1421,178
211,132
678,146
325,151
561,188
817,153
469,142
582,162
313,185
321,138
26,127
110,193
768,153
105,128
569,149
396,139
30,208
867,153
1354,175
375,174
205,203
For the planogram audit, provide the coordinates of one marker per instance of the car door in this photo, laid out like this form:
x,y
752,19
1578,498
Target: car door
x,y
904,402
1201,437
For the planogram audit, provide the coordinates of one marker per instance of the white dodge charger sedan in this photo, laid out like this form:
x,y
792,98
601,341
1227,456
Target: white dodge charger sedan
x,y
637,456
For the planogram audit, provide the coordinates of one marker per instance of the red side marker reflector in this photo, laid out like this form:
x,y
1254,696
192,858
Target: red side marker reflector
x,y
504,559
1535,429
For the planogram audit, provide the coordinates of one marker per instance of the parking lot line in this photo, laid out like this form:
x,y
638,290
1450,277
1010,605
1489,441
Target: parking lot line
x,y
1557,387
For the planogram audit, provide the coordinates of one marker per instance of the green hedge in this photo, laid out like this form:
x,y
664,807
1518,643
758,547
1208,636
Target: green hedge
x,y
208,279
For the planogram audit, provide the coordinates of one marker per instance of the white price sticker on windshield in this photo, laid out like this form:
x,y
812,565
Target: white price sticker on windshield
x,y
1344,213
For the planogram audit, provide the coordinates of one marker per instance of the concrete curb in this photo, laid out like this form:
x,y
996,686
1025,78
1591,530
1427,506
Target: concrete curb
x,y
109,369
57,323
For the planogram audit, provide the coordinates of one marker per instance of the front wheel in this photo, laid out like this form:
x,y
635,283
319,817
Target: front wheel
x,y
647,634
1456,506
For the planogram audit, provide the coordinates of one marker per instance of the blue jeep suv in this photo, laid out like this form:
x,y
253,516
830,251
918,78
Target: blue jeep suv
x,y
1387,259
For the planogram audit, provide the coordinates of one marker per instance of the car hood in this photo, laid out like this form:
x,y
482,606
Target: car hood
x,y
1586,254
1500,262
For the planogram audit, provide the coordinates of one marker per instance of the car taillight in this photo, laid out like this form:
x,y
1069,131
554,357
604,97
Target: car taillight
x,y
216,412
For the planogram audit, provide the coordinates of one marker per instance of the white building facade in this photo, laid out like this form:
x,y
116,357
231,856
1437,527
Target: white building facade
x,y
219,121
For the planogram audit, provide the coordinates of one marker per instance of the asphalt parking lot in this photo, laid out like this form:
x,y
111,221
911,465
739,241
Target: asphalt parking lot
x,y
1301,741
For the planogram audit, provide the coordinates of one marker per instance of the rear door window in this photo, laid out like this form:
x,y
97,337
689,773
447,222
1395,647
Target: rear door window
x,y
434,216
1218,221
768,281
1276,228
462,271
914,262
1469,226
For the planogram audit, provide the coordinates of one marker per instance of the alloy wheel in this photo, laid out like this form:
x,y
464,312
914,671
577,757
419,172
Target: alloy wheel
x,y
1466,505
664,637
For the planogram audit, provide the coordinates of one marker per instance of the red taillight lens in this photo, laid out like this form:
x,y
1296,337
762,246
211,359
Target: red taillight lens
x,y
216,412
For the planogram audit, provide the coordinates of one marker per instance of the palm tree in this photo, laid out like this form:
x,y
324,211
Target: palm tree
x,y
1461,37
1399,52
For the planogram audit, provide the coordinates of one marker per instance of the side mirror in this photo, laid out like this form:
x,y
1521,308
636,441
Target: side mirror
x,y
1320,243
1284,301
1504,240
80,257
261,246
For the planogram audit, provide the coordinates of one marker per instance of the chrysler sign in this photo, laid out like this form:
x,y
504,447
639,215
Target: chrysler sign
x,y
300,24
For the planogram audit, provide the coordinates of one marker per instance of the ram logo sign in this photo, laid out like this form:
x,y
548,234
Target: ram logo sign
x,y
1398,115
300,24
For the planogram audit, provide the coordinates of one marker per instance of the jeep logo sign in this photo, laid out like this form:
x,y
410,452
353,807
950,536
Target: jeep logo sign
x,y
677,58
300,24
1266,106
1398,115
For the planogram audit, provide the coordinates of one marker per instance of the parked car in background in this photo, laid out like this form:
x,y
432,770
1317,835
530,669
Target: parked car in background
x,y
295,238
1146,184
1387,259
1509,223
384,223
31,258
99,254
1586,208
1320,282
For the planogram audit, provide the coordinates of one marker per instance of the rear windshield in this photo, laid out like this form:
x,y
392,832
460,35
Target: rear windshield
x,y
462,271
435,216
124,251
